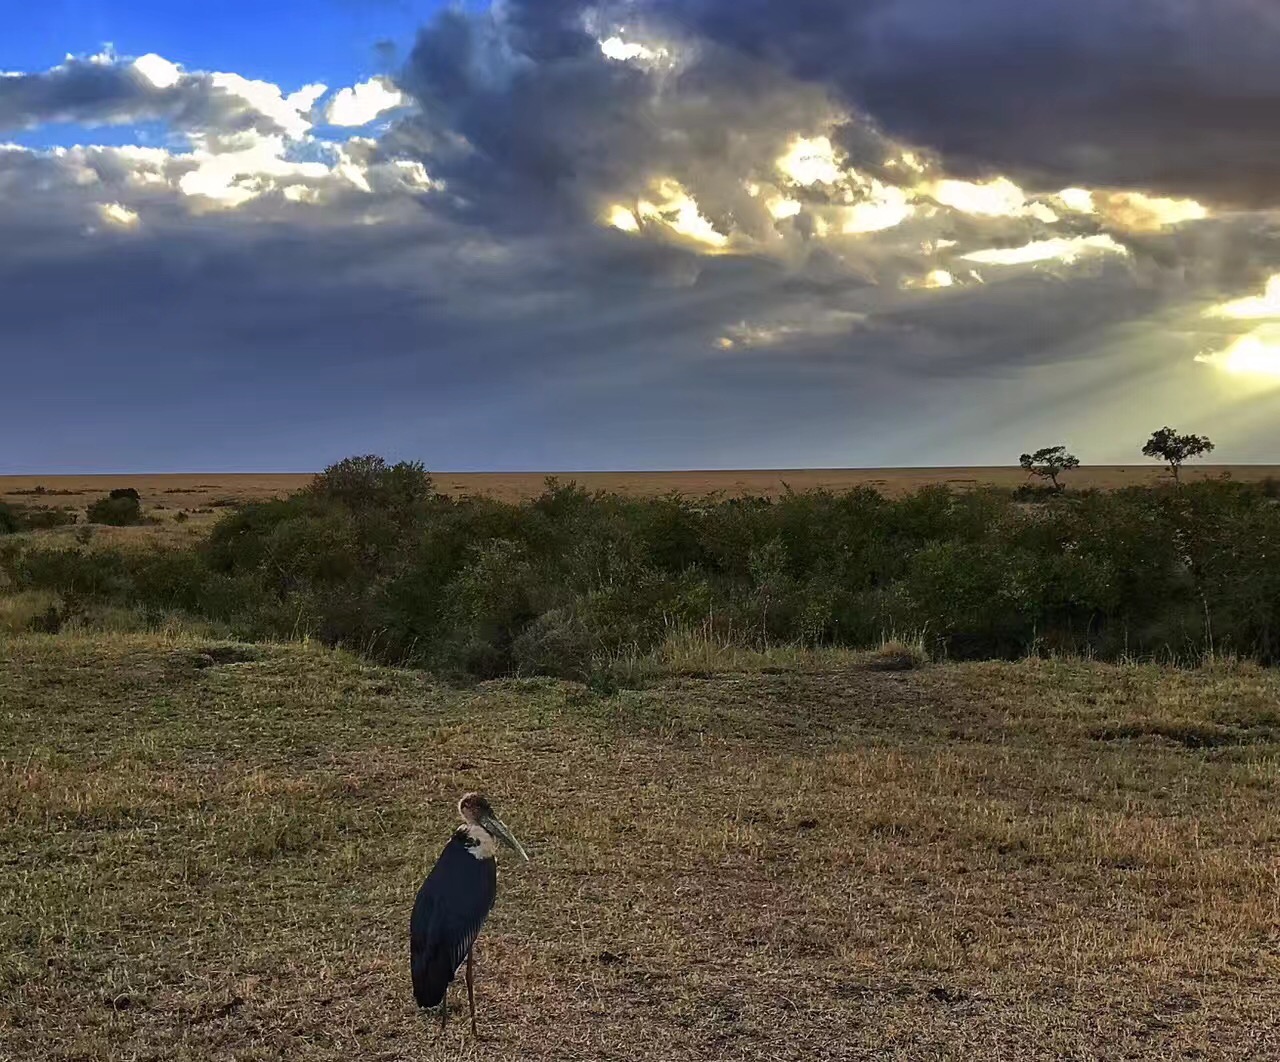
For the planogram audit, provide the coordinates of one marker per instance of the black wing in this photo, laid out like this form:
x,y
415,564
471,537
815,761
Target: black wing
x,y
451,907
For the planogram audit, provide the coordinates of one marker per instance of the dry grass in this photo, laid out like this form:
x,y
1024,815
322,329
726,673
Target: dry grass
x,y
194,491
200,499
210,852
18,611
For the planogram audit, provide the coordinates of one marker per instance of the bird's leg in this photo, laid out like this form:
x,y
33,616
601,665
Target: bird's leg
x,y
444,1009
471,992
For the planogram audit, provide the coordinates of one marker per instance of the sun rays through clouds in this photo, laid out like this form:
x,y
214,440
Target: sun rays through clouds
x,y
824,217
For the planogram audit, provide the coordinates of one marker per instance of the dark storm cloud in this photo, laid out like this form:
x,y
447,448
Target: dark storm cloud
x,y
1019,323
531,124
1178,95
479,310
533,129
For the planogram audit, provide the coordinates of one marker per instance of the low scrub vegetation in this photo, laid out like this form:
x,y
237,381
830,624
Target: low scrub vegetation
x,y
15,518
572,583
121,509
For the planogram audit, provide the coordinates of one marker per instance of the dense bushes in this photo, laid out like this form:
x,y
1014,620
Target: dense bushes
x,y
371,558
14,518
42,518
121,509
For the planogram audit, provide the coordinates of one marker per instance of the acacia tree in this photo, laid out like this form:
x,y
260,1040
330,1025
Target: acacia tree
x,y
1049,463
1168,446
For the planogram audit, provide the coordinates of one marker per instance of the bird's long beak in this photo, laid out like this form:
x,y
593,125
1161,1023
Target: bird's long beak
x,y
499,830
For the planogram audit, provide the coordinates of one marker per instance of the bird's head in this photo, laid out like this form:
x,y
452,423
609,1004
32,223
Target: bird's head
x,y
476,810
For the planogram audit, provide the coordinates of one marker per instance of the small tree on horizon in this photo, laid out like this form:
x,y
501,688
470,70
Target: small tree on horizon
x,y
1049,463
1168,446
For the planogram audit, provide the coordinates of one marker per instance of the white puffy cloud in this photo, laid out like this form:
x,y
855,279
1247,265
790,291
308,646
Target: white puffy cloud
x,y
245,139
106,89
290,113
157,70
361,104
231,178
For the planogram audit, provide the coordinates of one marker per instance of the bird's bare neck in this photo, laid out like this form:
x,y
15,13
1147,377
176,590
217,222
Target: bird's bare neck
x,y
479,841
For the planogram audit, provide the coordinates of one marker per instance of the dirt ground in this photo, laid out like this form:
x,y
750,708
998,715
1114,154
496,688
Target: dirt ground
x,y
210,852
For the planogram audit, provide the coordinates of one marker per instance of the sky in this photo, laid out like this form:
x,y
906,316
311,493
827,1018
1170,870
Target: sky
x,y
555,235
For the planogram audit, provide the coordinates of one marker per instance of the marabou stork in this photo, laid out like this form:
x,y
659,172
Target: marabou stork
x,y
453,903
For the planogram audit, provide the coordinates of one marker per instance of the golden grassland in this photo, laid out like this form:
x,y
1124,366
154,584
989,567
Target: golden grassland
x,y
197,490
210,851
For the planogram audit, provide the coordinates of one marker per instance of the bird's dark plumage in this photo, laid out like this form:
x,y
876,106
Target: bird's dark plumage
x,y
451,907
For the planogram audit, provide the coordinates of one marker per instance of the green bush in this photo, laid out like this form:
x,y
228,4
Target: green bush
x,y
33,518
368,482
370,558
122,511
44,519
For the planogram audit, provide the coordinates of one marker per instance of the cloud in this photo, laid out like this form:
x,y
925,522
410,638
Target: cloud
x,y
115,214
1055,250
362,103
672,214
104,90
1060,91
158,70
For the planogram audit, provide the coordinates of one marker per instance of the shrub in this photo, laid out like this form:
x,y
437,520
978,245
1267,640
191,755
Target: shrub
x,y
572,578
125,492
368,482
45,519
9,523
123,511
557,643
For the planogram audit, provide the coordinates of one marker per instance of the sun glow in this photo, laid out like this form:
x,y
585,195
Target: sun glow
x,y
810,160
622,218
1257,354
997,198
1255,306
1079,200
1060,249
1140,212
782,207
887,206
671,207
934,279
